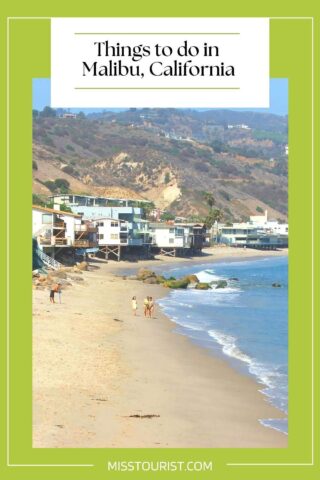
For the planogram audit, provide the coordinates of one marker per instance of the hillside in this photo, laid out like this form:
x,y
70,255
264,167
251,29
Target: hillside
x,y
173,157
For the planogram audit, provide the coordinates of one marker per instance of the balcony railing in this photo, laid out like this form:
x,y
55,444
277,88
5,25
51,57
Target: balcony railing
x,y
52,241
86,228
85,243
59,225
59,241
135,241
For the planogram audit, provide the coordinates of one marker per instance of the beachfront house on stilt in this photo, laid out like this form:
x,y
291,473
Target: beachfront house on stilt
x,y
177,239
131,211
112,236
55,232
246,235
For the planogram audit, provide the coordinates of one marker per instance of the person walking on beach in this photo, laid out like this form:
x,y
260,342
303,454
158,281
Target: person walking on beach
x,y
134,305
59,291
151,307
146,306
54,289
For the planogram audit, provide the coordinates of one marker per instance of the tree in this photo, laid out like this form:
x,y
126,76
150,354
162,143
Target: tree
x,y
217,146
62,184
146,208
214,216
64,208
37,200
167,216
209,199
48,112
51,185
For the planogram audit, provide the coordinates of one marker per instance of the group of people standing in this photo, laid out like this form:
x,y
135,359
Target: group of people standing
x,y
148,306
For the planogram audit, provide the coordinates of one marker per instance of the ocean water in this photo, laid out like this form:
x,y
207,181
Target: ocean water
x,y
246,322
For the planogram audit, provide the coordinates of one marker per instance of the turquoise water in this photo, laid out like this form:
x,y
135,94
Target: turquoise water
x,y
247,322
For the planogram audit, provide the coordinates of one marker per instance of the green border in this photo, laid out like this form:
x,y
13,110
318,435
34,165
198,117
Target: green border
x,y
291,57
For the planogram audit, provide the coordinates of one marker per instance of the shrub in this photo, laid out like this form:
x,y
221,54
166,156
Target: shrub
x,y
202,167
64,208
167,178
48,141
51,185
68,169
167,216
37,200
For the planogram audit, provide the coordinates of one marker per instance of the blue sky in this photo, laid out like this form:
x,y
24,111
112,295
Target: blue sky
x,y
278,97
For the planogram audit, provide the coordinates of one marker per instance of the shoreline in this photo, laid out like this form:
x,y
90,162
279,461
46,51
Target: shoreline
x,y
238,365
210,255
96,365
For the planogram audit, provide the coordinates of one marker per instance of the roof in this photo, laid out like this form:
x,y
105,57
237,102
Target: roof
x,y
52,210
98,219
140,220
186,224
120,198
161,225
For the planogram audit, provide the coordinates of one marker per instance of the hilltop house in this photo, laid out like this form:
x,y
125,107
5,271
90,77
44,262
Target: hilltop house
x,y
74,200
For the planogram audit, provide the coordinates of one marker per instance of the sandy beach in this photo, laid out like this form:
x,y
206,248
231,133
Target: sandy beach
x,y
103,378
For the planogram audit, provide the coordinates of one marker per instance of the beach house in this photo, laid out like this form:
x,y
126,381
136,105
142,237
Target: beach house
x,y
264,225
174,239
250,236
55,231
112,236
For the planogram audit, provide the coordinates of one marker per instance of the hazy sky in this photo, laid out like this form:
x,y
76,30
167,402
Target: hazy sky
x,y
278,97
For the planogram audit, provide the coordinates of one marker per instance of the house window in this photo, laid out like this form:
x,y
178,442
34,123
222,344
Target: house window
x,y
100,236
171,240
114,236
114,224
100,224
171,230
46,219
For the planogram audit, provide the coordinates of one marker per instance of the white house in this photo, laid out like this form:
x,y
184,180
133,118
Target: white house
x,y
269,226
165,235
170,238
112,235
248,235
237,233
111,231
56,228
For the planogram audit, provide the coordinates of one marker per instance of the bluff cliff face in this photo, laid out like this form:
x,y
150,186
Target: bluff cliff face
x,y
172,157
